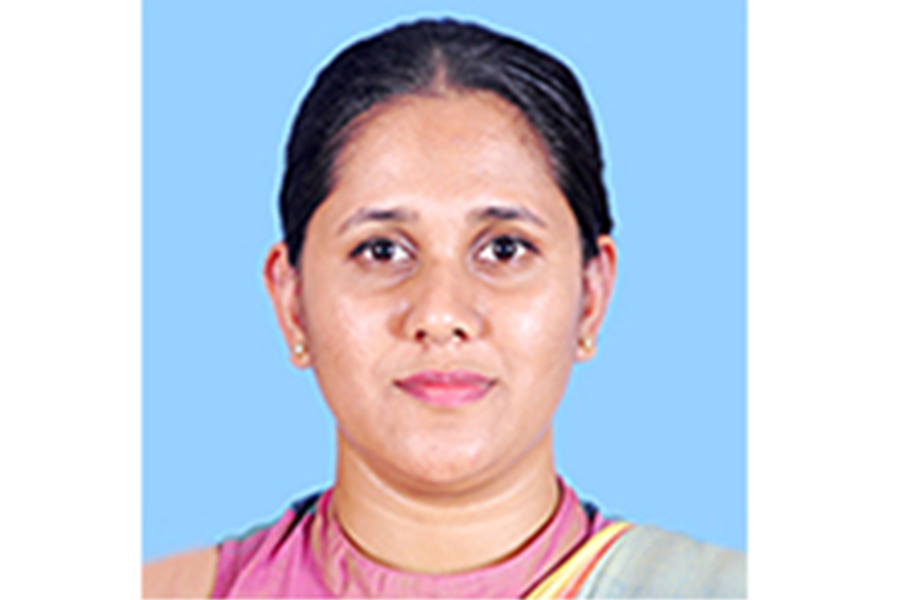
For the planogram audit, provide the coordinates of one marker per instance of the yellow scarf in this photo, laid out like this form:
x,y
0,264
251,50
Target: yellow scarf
x,y
569,577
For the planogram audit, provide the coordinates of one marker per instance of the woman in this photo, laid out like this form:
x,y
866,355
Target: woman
x,y
446,259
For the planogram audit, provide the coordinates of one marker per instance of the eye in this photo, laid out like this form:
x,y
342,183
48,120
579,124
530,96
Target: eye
x,y
380,250
505,248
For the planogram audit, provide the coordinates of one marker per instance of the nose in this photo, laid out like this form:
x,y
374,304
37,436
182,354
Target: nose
x,y
442,308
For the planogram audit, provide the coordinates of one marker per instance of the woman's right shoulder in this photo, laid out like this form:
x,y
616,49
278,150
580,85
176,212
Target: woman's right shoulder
x,y
189,574
200,573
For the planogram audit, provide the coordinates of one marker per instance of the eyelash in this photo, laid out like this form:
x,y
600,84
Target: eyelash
x,y
368,246
522,246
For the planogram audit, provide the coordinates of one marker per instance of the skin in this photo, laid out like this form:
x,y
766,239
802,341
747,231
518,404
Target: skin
x,y
186,575
445,244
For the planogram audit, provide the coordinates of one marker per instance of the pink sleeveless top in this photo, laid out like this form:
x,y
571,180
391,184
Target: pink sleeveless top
x,y
306,554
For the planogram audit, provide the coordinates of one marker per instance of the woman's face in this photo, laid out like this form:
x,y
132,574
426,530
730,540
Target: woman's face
x,y
441,292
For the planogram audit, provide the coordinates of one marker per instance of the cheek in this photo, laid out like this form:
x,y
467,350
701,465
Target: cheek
x,y
347,333
538,330
344,347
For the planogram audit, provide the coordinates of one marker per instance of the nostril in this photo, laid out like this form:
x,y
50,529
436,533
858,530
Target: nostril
x,y
438,337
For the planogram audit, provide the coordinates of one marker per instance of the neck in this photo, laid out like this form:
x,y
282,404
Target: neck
x,y
424,530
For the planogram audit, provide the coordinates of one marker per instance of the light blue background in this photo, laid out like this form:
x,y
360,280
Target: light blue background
x,y
232,433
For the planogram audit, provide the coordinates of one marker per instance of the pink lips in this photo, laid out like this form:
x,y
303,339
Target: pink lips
x,y
446,388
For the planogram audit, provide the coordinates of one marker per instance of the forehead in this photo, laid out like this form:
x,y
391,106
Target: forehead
x,y
458,148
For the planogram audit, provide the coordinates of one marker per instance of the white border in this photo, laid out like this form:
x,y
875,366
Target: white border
x,y
70,320
823,335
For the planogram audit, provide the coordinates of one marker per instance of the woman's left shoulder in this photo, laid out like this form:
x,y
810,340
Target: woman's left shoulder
x,y
651,562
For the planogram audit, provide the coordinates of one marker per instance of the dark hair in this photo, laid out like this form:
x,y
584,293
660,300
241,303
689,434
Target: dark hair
x,y
417,58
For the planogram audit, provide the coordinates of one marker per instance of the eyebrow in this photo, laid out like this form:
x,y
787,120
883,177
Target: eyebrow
x,y
506,213
489,213
364,215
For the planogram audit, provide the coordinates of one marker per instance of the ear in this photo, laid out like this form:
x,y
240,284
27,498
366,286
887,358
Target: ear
x,y
283,284
598,279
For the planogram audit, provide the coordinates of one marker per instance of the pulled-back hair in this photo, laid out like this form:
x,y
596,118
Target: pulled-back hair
x,y
427,57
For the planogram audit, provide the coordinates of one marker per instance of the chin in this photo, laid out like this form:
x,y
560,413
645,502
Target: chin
x,y
443,467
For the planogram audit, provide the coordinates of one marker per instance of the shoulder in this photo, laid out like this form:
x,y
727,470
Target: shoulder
x,y
651,562
185,575
260,549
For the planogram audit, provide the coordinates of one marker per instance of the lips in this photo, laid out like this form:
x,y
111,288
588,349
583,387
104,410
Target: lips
x,y
446,388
